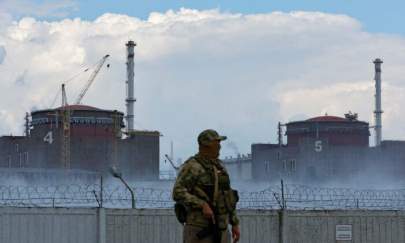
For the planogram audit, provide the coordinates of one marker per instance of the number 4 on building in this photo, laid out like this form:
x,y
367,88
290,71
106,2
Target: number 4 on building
x,y
48,138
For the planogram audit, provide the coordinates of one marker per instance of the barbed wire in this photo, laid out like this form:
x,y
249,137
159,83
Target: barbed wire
x,y
295,197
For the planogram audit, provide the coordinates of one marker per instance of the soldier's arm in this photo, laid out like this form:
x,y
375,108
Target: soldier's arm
x,y
182,187
233,218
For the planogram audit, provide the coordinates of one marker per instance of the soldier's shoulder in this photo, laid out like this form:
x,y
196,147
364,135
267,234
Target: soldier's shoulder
x,y
222,164
191,164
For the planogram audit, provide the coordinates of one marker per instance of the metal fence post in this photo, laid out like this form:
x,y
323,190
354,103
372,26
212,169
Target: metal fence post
x,y
283,217
102,224
280,225
284,225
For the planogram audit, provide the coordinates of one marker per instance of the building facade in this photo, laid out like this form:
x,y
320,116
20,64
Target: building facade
x,y
327,149
91,141
239,167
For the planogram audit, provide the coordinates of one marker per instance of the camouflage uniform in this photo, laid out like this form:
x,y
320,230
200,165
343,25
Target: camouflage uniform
x,y
195,185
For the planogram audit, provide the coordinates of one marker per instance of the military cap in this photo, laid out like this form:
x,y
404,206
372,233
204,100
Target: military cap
x,y
209,135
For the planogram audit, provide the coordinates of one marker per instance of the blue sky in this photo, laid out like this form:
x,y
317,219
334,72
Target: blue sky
x,y
376,16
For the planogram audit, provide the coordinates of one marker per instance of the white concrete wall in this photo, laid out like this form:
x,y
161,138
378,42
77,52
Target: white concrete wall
x,y
48,225
60,225
151,225
157,226
367,226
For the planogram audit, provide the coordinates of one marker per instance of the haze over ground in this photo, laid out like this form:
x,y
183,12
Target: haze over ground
x,y
239,73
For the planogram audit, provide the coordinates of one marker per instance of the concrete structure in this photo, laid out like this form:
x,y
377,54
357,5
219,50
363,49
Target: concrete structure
x,y
95,144
239,167
328,130
130,100
62,225
378,110
85,138
327,148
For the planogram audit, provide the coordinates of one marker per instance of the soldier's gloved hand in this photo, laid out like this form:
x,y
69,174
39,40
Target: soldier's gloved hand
x,y
207,212
235,233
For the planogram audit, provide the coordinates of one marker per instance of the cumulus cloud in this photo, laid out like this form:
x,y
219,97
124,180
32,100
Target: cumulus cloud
x,y
239,74
20,80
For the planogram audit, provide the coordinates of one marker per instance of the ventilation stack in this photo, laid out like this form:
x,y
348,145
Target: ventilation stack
x,y
130,100
378,110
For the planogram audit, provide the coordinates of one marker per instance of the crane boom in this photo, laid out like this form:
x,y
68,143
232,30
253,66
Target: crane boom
x,y
176,168
91,79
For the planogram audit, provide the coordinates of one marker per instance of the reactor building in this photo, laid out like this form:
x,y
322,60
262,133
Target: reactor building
x,y
84,139
325,148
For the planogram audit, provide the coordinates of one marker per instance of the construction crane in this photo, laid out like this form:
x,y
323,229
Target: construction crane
x,y
175,167
91,79
66,113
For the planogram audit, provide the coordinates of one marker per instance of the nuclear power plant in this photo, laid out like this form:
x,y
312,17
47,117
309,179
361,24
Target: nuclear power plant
x,y
325,148
83,140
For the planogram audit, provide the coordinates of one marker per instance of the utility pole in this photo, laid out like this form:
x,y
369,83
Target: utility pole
x,y
117,174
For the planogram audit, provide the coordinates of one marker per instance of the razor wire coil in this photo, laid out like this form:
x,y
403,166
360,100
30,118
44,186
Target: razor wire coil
x,y
295,196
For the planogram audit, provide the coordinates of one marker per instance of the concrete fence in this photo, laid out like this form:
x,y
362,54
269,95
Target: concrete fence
x,y
62,225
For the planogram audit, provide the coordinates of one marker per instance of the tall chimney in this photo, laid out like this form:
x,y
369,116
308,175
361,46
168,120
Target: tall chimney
x,y
280,134
27,124
378,111
130,100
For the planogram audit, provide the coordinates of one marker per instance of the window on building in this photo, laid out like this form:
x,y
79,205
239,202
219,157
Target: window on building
x,y
285,169
9,161
293,165
26,159
21,160
267,166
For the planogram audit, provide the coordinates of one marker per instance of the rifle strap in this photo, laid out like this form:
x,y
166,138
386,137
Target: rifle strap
x,y
216,182
216,186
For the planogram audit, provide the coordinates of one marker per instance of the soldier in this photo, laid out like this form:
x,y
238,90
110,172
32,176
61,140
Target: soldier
x,y
205,201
